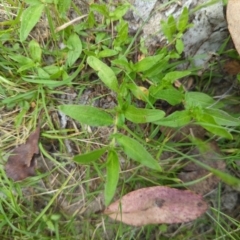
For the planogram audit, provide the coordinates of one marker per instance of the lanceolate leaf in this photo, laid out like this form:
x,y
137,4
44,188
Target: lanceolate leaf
x,y
75,49
147,63
197,99
171,95
30,17
208,122
112,176
102,9
171,77
87,115
105,73
141,115
138,91
183,21
35,51
215,129
137,152
176,119
179,46
107,53
223,118
119,12
87,158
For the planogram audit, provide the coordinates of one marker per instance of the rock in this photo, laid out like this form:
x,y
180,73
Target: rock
x,y
206,36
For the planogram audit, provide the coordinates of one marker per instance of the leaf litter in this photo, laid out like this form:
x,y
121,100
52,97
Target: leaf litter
x,y
233,18
21,163
156,205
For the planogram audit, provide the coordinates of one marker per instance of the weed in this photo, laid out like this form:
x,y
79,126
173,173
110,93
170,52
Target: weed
x,y
51,73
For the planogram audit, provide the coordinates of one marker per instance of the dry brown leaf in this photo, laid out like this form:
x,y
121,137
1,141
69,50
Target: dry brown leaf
x,y
233,19
21,163
211,157
232,67
156,205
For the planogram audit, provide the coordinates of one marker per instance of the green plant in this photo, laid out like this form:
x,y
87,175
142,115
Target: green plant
x,y
126,79
96,51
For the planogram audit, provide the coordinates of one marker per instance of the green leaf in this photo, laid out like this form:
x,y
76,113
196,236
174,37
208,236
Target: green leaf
x,y
33,2
90,157
105,73
63,7
25,106
122,63
171,77
87,115
53,70
179,46
42,74
222,118
176,119
107,53
120,120
141,115
166,30
47,82
26,67
147,63
183,20
156,72
19,97
75,45
119,12
91,20
208,122
171,95
30,17
193,99
112,176
100,8
172,25
35,51
122,36
22,59
138,91
101,37
137,152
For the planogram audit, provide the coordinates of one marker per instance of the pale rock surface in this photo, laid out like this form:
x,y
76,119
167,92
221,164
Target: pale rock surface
x,y
204,38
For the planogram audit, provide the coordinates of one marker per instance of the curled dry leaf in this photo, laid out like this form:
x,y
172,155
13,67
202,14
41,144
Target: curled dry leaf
x,y
21,163
233,19
156,205
209,156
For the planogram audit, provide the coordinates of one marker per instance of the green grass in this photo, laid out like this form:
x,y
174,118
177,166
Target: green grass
x,y
65,200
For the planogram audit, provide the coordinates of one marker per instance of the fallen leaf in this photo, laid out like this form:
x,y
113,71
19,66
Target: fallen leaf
x,y
233,19
21,163
232,67
155,205
191,172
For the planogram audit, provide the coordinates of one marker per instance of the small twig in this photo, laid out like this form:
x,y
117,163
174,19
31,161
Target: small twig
x,y
65,25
